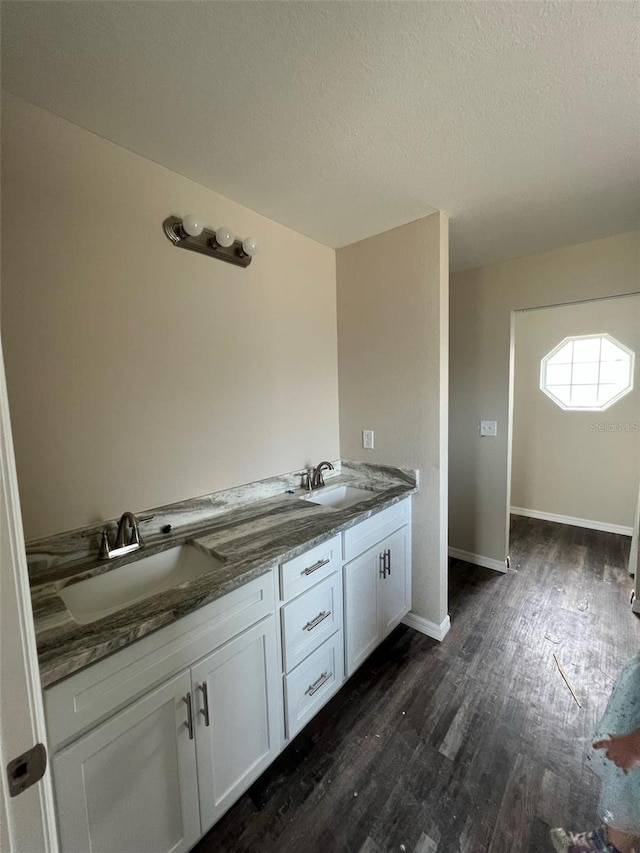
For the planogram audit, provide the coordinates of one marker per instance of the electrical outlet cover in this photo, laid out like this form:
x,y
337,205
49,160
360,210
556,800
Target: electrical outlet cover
x,y
489,428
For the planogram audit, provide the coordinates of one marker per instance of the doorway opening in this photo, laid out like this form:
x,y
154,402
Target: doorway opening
x,y
574,418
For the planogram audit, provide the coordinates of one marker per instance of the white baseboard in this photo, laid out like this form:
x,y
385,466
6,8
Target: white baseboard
x,y
431,629
575,522
478,560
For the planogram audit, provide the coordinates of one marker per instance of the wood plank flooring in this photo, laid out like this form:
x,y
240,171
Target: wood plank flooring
x,y
470,745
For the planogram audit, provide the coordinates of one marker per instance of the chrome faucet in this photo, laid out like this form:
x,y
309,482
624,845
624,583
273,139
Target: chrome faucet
x,y
127,538
316,479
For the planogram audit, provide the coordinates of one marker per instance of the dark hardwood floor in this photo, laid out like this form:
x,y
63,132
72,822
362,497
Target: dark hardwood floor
x,y
473,744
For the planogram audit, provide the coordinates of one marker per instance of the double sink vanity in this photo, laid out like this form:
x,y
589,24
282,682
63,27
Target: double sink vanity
x,y
176,674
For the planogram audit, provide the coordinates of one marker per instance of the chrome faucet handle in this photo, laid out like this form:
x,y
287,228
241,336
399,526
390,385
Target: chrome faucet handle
x,y
136,539
105,545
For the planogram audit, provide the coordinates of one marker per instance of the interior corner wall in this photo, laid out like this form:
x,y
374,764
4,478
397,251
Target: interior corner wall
x,y
140,374
583,465
481,304
393,369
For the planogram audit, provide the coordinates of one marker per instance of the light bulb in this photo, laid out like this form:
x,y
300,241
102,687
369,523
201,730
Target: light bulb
x,y
224,237
250,246
192,224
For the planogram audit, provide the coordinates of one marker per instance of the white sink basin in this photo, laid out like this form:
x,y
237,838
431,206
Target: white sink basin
x,y
340,497
109,592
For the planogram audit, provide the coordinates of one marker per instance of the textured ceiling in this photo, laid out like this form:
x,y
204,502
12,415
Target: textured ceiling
x,y
343,119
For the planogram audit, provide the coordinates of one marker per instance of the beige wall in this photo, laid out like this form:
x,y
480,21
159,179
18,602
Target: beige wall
x,y
139,374
481,304
585,465
392,356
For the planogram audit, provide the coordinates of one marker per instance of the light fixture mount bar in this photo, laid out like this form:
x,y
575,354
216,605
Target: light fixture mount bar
x,y
205,243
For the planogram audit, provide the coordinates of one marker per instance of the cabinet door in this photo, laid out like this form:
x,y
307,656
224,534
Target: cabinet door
x,y
236,710
130,786
361,618
395,586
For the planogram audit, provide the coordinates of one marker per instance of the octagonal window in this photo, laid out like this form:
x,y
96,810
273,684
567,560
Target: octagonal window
x,y
587,372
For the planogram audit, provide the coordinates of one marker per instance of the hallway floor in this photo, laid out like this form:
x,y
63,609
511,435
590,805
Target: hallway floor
x,y
470,745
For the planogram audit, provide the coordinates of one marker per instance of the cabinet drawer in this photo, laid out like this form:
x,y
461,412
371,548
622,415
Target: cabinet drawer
x,y
305,570
310,619
312,683
94,693
364,535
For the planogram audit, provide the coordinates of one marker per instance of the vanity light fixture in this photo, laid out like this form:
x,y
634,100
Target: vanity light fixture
x,y
190,233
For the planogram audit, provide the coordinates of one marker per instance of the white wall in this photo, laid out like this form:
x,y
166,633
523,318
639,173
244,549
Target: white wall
x,y
584,465
481,304
140,374
392,356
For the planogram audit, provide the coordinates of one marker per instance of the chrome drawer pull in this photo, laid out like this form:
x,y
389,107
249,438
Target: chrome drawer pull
x,y
313,688
314,567
205,699
388,555
383,565
315,622
187,699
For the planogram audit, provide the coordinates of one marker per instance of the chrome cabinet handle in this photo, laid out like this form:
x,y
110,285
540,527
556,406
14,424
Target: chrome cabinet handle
x,y
313,688
385,558
187,699
314,567
205,698
324,614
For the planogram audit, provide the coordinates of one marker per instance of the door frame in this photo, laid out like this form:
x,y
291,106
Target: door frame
x,y
27,821
512,352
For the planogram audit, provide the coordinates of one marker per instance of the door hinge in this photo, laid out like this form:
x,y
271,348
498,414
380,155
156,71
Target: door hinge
x,y
27,769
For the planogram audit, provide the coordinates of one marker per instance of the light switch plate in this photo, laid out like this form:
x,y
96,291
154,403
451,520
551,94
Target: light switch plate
x,y
489,428
367,439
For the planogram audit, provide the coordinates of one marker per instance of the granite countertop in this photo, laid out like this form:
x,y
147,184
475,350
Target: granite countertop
x,y
246,539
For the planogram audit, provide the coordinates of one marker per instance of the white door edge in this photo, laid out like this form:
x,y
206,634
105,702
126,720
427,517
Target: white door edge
x,y
27,821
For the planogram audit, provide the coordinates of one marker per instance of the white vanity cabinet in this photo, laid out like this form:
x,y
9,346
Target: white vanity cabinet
x,y
151,745
156,775
377,583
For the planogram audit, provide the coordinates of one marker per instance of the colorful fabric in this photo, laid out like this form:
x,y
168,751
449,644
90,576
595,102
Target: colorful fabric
x,y
582,842
620,792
